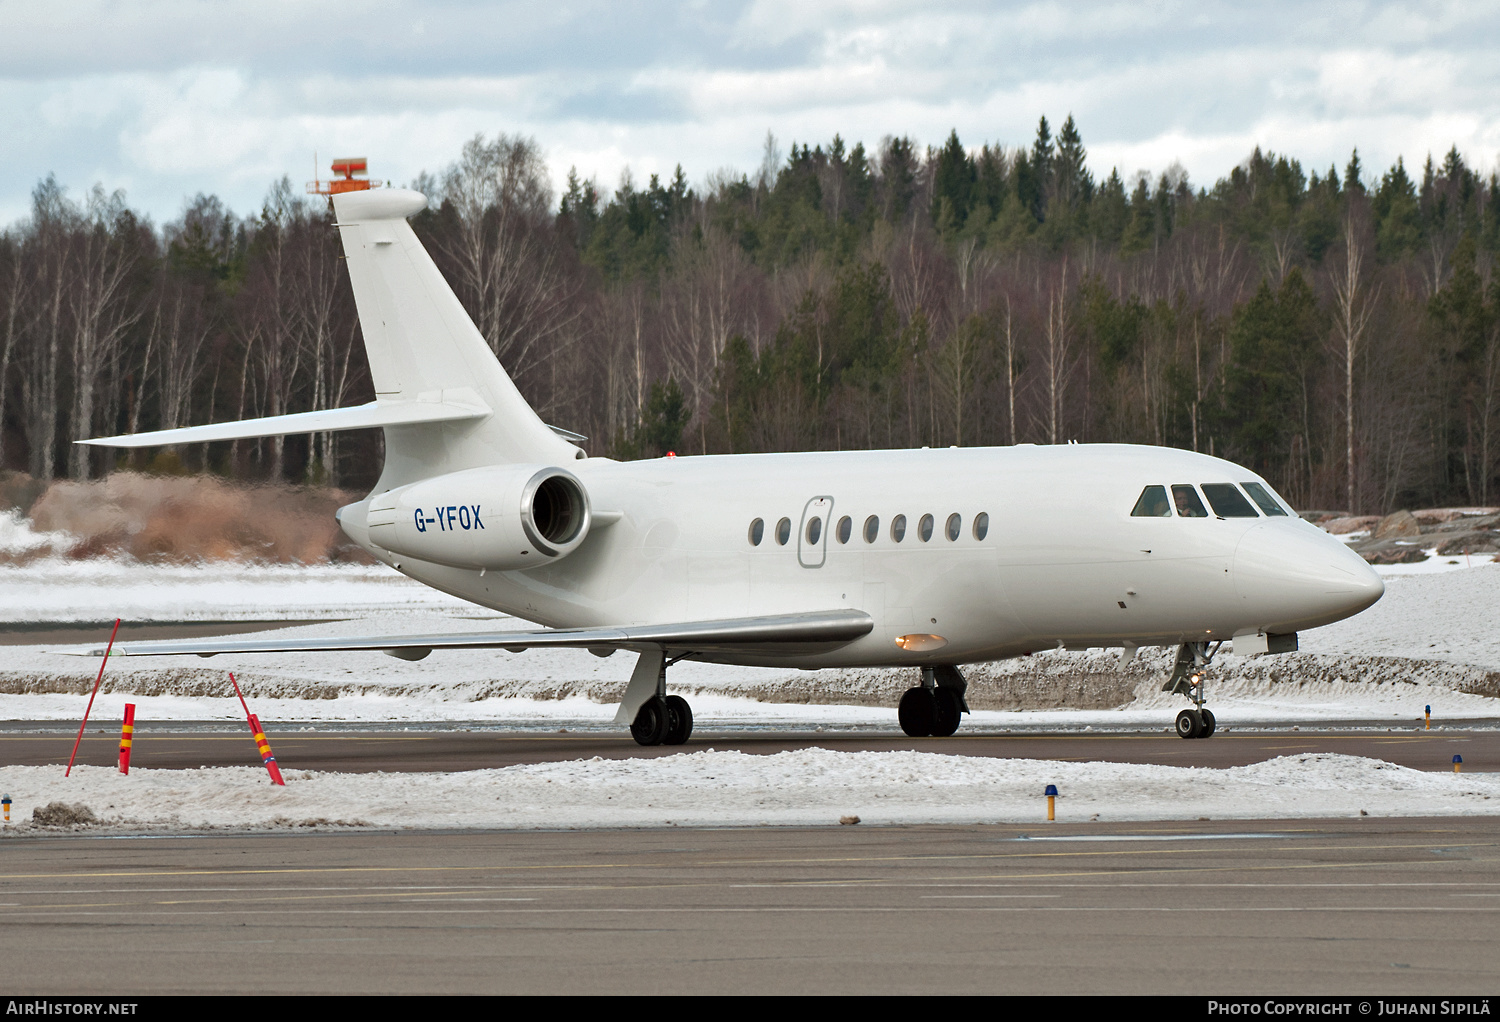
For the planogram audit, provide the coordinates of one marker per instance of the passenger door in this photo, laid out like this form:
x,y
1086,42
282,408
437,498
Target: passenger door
x,y
812,534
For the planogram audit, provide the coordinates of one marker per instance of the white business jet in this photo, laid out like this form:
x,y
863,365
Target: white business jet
x,y
928,559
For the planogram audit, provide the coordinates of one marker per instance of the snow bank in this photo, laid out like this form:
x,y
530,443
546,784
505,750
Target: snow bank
x,y
18,540
808,787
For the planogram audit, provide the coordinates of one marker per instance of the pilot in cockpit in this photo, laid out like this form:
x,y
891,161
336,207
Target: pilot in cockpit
x,y
1188,504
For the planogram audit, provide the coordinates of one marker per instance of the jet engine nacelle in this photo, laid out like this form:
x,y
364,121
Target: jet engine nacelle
x,y
503,518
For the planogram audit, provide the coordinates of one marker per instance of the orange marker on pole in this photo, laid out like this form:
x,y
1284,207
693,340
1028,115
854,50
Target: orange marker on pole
x,y
260,737
127,732
265,751
90,706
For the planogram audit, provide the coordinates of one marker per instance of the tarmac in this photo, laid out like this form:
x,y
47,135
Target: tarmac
x,y
482,745
1361,907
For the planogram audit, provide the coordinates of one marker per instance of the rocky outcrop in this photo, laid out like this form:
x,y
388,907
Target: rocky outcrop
x,y
1406,537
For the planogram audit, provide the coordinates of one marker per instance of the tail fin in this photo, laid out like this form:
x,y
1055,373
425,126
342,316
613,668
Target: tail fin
x,y
423,347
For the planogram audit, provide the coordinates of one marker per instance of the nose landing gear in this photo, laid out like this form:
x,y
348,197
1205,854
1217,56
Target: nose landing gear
x,y
1189,678
1195,723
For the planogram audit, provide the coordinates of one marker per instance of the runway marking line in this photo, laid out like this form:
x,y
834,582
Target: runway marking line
x,y
957,896
873,882
812,909
700,864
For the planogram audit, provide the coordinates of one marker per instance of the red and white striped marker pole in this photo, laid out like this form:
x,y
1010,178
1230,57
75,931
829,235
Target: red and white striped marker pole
x,y
127,733
260,737
90,706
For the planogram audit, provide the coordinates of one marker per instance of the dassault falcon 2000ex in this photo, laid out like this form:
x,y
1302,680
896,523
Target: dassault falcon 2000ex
x,y
929,559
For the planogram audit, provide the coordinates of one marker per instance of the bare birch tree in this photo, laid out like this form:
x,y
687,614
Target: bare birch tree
x,y
1353,304
101,312
16,292
509,273
1057,353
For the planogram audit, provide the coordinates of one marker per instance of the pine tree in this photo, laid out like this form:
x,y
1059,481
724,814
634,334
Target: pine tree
x,y
954,180
1040,170
1352,173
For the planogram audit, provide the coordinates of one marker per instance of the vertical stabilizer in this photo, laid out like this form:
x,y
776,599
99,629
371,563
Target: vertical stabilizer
x,y
423,346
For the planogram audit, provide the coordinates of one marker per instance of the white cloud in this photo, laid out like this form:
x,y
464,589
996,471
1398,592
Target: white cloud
x,y
172,97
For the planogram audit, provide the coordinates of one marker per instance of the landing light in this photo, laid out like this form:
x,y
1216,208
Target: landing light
x,y
920,642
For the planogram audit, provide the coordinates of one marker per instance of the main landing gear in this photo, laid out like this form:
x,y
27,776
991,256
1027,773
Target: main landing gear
x,y
1189,678
935,706
661,719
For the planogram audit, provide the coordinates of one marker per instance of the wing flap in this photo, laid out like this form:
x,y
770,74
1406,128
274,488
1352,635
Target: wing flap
x,y
812,632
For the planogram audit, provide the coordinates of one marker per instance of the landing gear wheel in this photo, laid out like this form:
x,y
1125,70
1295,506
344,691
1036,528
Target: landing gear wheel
x,y
916,712
947,711
679,721
1208,723
1189,724
651,720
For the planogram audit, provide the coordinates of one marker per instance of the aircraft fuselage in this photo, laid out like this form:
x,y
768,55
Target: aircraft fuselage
x,y
1057,559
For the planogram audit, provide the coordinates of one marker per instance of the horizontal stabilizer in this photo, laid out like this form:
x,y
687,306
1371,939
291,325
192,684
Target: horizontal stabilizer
x,y
815,632
376,413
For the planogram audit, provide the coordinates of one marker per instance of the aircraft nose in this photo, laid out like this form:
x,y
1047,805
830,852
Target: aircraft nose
x,y
1302,577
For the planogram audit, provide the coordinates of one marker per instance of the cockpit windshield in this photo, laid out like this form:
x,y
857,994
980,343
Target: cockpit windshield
x,y
1262,497
1152,504
1227,501
1188,504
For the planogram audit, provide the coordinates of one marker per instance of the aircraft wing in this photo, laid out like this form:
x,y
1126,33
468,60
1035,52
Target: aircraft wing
x,y
807,633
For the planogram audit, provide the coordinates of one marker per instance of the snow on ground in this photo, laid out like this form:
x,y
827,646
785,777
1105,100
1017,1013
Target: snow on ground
x,y
1452,616
807,787
18,537
1435,564
102,589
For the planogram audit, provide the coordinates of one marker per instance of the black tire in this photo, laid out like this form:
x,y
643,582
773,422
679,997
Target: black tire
x,y
650,724
1189,724
916,712
947,711
679,721
1209,724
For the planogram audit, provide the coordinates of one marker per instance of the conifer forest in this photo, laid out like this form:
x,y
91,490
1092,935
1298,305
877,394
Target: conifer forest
x,y
1336,330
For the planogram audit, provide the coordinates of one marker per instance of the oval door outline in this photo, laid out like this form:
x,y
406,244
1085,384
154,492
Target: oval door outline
x,y
812,555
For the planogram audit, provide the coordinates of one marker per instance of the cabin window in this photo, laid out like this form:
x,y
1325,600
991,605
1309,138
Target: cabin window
x,y
955,526
783,531
981,525
1188,504
872,528
1227,501
757,531
846,529
814,530
1153,504
898,528
1263,498
924,528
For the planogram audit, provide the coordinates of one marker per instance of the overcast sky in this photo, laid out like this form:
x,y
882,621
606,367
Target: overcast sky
x,y
167,98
